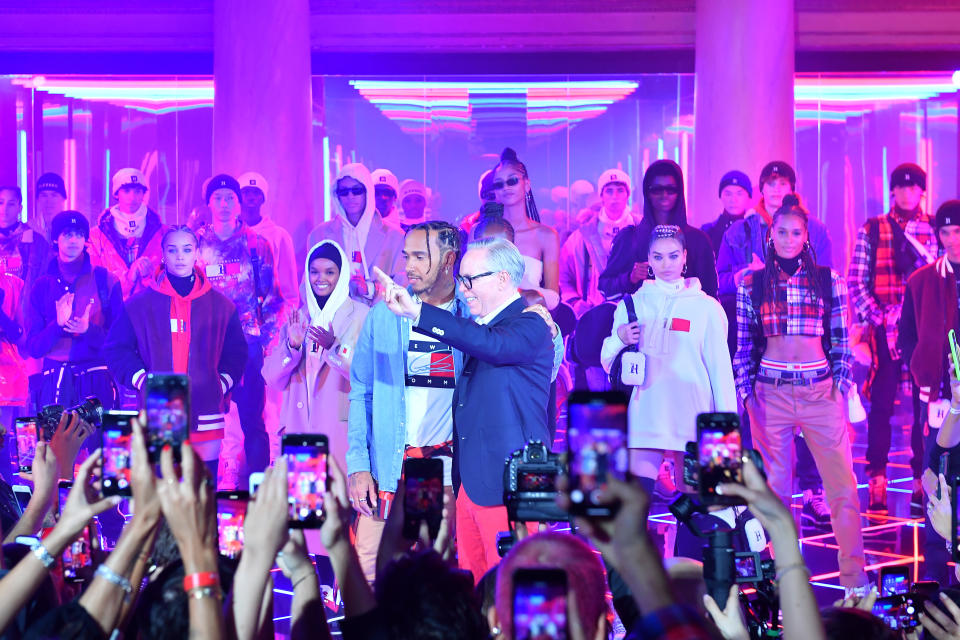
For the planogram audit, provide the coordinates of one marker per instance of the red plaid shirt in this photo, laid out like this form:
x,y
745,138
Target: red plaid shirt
x,y
441,450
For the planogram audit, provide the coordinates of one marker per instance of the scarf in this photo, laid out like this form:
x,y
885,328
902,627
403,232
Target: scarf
x,y
609,227
322,317
129,225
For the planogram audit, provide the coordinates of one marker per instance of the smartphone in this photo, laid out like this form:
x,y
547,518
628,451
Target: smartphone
x,y
168,412
596,448
306,456
115,442
888,610
540,604
955,520
22,493
894,580
78,557
256,479
422,496
944,466
26,430
954,351
231,511
719,455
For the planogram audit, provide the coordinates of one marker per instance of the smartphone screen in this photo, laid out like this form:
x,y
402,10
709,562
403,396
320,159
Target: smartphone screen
x,y
168,413
888,609
422,496
894,581
116,434
306,478
26,429
540,604
719,454
77,555
596,447
231,511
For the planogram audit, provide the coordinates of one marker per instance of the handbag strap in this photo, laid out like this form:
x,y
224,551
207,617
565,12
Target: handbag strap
x,y
631,317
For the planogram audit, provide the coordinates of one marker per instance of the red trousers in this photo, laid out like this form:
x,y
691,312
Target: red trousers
x,y
477,529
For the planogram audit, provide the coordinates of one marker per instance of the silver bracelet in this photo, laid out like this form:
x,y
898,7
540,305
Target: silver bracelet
x,y
954,412
108,574
41,553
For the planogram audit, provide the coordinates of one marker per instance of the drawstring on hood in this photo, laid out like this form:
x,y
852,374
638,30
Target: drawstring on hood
x,y
180,307
663,296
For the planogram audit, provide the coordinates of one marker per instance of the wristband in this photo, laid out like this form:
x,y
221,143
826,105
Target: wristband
x,y
41,553
108,574
201,580
205,592
954,412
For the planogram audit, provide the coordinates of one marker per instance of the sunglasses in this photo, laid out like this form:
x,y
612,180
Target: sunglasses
x,y
358,190
512,181
661,189
467,281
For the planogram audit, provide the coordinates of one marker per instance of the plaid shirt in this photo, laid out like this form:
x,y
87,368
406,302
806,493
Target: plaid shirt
x,y
675,622
863,278
793,313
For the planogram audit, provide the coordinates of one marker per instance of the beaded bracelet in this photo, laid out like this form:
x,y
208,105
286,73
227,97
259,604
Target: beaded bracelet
x,y
41,553
113,577
788,569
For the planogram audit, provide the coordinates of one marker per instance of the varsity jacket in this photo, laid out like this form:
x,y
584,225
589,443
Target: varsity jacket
x,y
929,312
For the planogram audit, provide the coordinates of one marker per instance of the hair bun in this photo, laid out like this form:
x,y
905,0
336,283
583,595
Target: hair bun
x,y
790,200
508,155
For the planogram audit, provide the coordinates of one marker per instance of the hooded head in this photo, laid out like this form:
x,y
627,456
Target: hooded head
x,y
359,174
678,215
340,292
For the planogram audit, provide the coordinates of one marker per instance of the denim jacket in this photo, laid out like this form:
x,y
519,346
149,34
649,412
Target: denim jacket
x,y
376,429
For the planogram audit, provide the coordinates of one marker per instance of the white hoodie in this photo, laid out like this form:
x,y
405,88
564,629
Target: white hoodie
x,y
683,334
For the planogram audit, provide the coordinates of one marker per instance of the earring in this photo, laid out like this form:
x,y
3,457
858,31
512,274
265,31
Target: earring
x,y
806,246
649,272
683,272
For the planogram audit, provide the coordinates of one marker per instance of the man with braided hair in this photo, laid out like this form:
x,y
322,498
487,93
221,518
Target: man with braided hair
x,y
390,421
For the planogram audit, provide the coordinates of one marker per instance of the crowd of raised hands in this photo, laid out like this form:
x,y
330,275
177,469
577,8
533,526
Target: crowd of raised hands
x,y
165,578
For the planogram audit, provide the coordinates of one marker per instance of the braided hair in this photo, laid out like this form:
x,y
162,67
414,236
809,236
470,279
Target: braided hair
x,y
770,274
448,237
509,158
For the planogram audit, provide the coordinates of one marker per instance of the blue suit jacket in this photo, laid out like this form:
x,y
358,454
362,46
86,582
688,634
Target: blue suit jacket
x,y
500,401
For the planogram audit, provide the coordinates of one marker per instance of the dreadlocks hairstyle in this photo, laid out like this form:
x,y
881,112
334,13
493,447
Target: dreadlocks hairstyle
x,y
448,237
771,271
509,158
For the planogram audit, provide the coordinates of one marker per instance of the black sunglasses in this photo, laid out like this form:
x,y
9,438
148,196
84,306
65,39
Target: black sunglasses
x,y
358,190
661,189
467,281
512,181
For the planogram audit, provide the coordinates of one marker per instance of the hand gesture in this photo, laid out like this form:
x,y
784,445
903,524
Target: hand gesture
x,y
44,473
80,325
730,621
64,306
541,311
358,286
323,337
141,268
854,601
79,509
763,503
143,483
757,264
293,559
954,383
265,527
629,333
940,625
362,491
640,272
939,510
397,298
296,329
335,530
67,440
189,507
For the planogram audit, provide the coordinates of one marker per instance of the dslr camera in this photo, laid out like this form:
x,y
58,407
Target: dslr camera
x,y
530,484
90,411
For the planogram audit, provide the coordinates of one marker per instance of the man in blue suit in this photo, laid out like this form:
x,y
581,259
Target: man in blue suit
x,y
500,400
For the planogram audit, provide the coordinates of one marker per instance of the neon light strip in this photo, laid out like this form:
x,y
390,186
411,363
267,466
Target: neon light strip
x,y
106,181
70,171
326,178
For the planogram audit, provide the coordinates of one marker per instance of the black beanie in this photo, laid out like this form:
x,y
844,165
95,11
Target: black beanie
x,y
222,181
948,214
